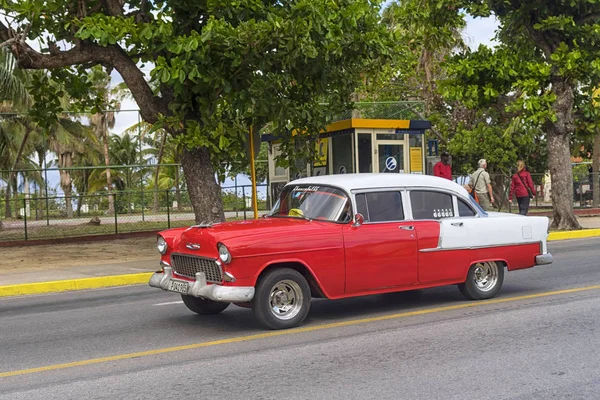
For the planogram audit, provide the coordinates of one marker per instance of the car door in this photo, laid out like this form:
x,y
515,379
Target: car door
x,y
382,252
435,217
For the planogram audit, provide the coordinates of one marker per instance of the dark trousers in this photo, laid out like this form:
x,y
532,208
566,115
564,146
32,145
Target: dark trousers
x,y
523,205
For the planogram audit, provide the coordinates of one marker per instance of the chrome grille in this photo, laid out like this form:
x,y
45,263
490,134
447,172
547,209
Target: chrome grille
x,y
188,266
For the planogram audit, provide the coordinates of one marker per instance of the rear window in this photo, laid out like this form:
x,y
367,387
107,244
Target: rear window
x,y
431,204
380,206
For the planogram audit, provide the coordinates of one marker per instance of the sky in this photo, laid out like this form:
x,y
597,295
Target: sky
x,y
478,31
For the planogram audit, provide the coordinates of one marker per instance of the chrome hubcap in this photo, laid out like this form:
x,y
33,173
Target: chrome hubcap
x,y
485,276
285,299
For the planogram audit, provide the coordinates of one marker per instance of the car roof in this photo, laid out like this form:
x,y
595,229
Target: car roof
x,y
350,182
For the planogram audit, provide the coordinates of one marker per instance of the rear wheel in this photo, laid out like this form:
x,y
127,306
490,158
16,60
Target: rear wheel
x,y
484,281
203,306
282,299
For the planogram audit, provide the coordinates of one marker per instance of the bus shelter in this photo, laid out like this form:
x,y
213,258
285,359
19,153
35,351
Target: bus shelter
x,y
357,145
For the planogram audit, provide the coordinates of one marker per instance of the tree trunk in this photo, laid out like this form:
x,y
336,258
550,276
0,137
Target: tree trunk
x,y
161,151
65,183
559,157
68,202
41,202
178,190
205,193
104,133
596,170
13,171
7,208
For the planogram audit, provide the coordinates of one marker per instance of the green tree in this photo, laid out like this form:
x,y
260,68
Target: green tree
x,y
221,66
548,51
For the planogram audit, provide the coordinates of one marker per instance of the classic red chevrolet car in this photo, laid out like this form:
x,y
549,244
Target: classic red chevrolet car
x,y
348,235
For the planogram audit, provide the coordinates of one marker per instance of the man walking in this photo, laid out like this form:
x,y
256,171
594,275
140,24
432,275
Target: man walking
x,y
482,185
442,168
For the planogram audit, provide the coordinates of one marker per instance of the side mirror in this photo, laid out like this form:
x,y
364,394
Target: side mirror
x,y
358,220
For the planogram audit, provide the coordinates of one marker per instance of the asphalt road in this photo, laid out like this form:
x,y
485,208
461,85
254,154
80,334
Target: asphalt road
x,y
531,344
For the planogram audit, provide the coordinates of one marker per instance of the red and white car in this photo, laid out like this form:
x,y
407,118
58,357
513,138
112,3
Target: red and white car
x,y
348,235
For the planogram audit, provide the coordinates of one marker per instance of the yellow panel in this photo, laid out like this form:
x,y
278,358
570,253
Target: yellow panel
x,y
369,124
322,152
416,159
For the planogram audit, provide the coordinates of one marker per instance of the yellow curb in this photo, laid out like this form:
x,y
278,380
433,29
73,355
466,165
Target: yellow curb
x,y
74,284
584,233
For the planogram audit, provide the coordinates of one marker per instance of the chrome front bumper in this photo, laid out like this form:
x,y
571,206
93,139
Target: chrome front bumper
x,y
544,259
199,288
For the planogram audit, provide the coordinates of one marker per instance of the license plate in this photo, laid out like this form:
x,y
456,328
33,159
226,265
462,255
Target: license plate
x,y
178,286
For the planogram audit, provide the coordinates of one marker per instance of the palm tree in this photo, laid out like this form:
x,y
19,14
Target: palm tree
x,y
12,81
14,98
103,121
124,151
68,139
82,179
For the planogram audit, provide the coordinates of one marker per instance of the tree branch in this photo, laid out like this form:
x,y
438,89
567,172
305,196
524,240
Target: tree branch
x,y
114,7
91,54
589,18
540,41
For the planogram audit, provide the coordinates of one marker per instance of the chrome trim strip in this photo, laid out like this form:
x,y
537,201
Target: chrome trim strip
x,y
199,288
475,247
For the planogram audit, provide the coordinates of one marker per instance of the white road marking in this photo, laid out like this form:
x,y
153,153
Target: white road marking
x,y
168,303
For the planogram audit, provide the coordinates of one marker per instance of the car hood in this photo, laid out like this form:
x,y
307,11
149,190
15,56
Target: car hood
x,y
265,235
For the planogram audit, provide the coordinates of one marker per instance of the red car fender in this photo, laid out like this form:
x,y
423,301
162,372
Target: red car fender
x,y
313,276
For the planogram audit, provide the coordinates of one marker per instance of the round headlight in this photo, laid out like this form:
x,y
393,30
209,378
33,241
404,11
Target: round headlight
x,y
224,254
161,245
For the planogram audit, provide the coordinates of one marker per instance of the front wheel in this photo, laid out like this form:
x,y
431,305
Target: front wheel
x,y
203,306
484,281
282,299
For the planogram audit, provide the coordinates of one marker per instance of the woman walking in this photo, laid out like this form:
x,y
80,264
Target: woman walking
x,y
522,187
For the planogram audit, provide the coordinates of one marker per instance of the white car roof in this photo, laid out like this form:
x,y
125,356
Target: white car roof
x,y
351,182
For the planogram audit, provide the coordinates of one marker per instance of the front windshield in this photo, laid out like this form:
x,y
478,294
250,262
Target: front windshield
x,y
313,202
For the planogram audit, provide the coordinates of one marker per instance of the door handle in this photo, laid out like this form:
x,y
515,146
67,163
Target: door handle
x,y
407,228
456,224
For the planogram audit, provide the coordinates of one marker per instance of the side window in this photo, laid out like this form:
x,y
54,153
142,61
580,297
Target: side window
x,y
380,206
431,205
464,210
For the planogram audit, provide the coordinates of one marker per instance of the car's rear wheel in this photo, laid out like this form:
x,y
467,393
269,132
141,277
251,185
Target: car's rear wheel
x,y
282,299
203,306
484,281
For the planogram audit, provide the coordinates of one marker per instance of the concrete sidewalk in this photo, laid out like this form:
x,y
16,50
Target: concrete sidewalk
x,y
14,282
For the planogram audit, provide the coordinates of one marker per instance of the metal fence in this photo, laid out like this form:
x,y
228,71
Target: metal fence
x,y
40,217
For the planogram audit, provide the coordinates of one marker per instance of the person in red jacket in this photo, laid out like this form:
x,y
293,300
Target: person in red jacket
x,y
522,187
442,168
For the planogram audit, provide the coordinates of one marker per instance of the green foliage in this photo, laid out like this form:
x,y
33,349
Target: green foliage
x,y
223,66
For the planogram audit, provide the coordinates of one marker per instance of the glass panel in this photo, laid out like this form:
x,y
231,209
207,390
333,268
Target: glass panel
x,y
384,207
365,153
298,169
431,205
391,158
415,140
464,210
390,136
311,202
342,154
361,206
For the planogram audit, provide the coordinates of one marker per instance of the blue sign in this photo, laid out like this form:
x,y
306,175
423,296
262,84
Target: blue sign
x,y
391,163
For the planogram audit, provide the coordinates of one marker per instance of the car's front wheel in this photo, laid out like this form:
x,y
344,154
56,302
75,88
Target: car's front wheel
x,y
203,306
484,281
282,299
